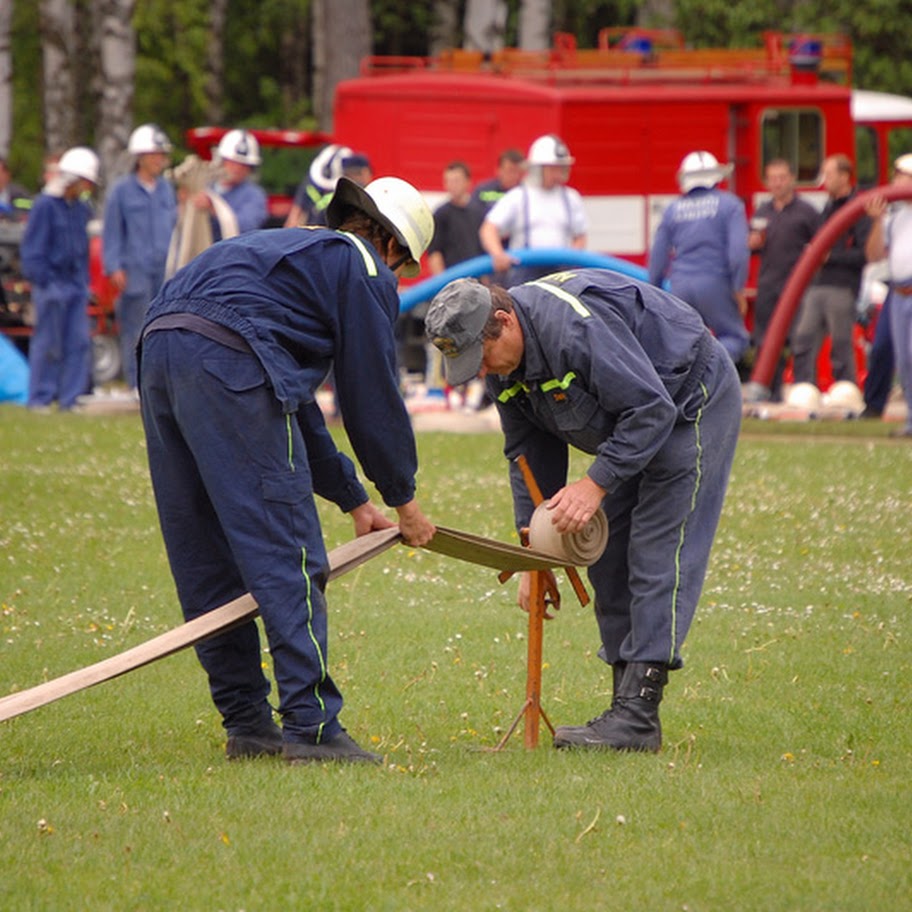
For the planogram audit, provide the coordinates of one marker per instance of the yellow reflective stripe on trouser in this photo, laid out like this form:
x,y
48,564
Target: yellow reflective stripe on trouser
x,y
314,640
565,296
698,445
549,385
369,262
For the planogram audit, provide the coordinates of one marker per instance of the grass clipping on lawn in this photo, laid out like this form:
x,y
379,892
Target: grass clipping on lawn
x,y
788,748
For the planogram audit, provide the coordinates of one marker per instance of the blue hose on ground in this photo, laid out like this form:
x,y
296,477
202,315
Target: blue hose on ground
x,y
547,256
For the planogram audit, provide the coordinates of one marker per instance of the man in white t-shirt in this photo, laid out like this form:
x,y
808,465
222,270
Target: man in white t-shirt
x,y
891,237
542,212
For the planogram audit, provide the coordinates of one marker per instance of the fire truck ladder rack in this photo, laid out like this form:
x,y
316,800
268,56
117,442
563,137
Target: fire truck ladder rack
x,y
628,55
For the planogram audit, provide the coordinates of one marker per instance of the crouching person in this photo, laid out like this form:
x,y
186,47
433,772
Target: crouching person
x,y
629,374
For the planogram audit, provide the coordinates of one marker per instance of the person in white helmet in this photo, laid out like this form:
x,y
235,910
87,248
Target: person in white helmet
x,y
231,356
238,155
139,216
541,212
701,248
55,259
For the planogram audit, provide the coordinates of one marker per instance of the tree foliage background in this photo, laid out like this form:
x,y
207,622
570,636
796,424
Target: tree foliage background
x,y
266,75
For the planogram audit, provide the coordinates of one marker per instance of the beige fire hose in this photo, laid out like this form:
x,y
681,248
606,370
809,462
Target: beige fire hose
x,y
553,552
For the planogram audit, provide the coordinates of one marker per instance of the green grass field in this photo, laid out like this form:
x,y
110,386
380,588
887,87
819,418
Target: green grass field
x,y
783,784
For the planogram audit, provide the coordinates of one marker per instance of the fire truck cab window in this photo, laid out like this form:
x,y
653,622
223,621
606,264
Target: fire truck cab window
x,y
866,156
795,135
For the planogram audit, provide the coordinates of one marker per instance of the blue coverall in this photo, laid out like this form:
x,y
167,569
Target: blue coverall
x,y
248,202
135,238
629,374
55,259
238,448
701,247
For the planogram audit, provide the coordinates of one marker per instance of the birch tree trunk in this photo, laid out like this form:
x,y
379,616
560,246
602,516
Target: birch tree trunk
x,y
6,77
444,26
535,25
341,37
58,41
215,62
485,24
113,20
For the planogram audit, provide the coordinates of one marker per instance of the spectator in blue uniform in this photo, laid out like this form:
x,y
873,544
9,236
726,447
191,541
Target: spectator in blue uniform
x,y
629,374
701,248
139,217
238,154
315,191
232,353
55,259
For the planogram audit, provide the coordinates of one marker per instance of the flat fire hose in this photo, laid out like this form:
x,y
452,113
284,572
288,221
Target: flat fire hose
x,y
450,542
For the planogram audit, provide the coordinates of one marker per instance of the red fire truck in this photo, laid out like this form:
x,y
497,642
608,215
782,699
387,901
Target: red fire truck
x,y
629,110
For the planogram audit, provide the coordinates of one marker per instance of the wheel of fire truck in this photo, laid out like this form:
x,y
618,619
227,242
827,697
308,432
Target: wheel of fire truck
x,y
106,358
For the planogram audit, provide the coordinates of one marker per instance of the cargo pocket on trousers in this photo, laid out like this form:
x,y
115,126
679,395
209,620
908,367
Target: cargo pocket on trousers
x,y
236,371
290,508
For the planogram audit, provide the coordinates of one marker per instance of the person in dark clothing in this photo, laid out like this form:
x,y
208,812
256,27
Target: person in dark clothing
x,y
231,355
456,222
828,306
780,229
629,374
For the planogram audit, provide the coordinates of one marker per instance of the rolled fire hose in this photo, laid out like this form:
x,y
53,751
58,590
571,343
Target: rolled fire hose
x,y
576,549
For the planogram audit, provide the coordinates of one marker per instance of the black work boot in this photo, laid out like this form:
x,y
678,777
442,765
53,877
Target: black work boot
x,y
563,732
632,722
341,749
263,742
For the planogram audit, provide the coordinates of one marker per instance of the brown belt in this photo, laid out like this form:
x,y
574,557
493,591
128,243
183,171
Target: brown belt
x,y
903,289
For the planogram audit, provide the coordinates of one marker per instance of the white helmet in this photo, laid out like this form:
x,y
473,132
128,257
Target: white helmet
x,y
396,205
148,138
326,168
804,396
79,162
845,394
240,146
549,150
701,169
903,164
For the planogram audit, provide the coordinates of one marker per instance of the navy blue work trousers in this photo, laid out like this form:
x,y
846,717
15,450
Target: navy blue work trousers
x,y
236,505
662,524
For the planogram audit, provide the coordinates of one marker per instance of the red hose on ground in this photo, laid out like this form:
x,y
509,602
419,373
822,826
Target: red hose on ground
x,y
804,270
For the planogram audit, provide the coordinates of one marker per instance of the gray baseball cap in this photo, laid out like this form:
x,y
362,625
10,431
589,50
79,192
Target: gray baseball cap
x,y
454,323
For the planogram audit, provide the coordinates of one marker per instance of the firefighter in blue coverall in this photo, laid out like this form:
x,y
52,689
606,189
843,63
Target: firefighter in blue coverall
x,y
139,216
701,248
55,259
231,356
628,373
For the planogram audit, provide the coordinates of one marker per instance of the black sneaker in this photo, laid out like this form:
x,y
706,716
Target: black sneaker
x,y
342,749
260,744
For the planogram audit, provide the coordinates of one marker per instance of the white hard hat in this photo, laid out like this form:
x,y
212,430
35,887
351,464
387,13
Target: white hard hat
x,y
240,146
395,204
701,169
804,396
549,150
148,138
326,168
79,162
903,164
845,394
